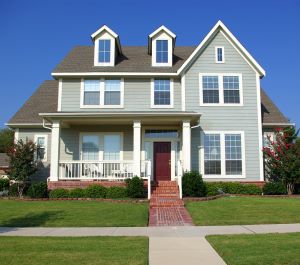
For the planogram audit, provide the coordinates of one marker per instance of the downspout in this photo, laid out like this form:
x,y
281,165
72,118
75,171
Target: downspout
x,y
45,126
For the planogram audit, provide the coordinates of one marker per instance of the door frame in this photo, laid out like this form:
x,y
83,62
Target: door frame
x,y
173,141
154,160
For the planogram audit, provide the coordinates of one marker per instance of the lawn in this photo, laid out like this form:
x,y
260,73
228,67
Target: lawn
x,y
72,213
73,250
263,249
245,210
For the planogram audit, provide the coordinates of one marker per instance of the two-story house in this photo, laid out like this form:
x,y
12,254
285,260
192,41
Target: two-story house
x,y
154,111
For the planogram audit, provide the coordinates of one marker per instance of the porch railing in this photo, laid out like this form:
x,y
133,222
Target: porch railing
x,y
179,177
101,170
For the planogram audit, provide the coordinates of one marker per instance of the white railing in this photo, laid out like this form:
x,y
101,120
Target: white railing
x,y
179,177
101,170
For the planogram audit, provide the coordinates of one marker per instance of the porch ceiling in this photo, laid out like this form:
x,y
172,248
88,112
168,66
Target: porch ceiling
x,y
146,118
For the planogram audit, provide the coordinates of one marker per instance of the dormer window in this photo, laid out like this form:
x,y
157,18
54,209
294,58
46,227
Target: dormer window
x,y
104,51
162,51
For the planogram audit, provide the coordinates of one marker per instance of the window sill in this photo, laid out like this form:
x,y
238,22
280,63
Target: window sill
x,y
162,107
102,107
221,105
223,176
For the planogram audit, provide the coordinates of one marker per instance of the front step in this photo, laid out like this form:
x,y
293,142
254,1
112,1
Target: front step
x,y
166,202
163,183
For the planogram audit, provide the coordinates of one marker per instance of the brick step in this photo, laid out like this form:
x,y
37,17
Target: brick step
x,y
166,184
165,190
174,196
165,202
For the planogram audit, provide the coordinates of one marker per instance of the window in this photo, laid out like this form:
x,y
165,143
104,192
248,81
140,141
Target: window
x,y
268,136
104,51
212,154
231,87
162,92
112,92
233,154
41,150
210,86
219,55
161,134
162,51
90,147
112,146
91,92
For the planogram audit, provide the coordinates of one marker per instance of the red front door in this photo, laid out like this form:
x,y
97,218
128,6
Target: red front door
x,y
162,161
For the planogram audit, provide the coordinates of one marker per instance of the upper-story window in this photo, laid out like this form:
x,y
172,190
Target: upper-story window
x,y
41,149
112,93
221,89
162,51
162,93
91,92
219,55
104,51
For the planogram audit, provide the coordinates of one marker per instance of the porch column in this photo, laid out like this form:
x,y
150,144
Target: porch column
x,y
55,136
186,145
137,147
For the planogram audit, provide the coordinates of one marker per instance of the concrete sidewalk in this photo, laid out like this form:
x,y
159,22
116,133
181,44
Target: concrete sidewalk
x,y
176,231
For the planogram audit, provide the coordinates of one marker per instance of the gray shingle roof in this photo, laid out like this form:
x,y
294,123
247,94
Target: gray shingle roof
x,y
4,160
44,100
134,59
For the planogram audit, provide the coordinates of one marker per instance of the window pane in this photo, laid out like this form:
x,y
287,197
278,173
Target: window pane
x,y
210,85
233,154
112,146
90,147
220,54
112,95
161,134
104,51
161,51
212,154
41,148
231,89
91,92
162,94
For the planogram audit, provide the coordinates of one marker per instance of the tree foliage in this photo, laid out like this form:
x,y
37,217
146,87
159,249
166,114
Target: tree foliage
x,y
6,139
22,164
282,158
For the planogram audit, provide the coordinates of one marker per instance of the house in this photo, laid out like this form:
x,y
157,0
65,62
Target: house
x,y
4,165
154,111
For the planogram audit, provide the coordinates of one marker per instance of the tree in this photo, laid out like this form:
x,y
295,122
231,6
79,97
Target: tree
x,y
22,164
282,158
6,139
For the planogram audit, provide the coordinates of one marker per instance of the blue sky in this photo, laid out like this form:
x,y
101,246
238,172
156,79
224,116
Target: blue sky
x,y
36,35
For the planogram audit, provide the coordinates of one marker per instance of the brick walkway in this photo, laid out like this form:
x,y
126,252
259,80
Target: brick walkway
x,y
166,209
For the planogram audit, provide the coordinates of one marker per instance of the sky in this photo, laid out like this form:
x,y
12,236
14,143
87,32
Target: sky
x,y
36,35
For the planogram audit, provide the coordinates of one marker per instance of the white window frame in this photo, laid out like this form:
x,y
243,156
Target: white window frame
x,y
171,105
221,90
216,54
105,36
101,143
162,36
36,136
102,89
223,157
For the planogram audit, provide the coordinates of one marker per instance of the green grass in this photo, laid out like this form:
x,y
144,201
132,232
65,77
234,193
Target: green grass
x,y
72,213
245,210
73,251
264,249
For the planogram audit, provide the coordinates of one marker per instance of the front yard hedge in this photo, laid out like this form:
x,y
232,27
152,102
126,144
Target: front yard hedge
x,y
274,188
4,184
38,190
193,185
216,188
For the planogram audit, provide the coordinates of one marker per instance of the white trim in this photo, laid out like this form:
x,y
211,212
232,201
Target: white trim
x,y
216,54
104,27
183,93
153,106
40,135
111,62
259,127
186,145
55,150
205,41
102,95
221,90
223,165
277,124
137,147
80,74
59,94
170,50
16,135
162,28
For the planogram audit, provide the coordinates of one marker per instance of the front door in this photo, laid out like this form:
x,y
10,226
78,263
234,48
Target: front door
x,y
162,160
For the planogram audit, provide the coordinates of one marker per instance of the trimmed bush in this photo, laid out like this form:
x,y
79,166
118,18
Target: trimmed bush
x,y
59,193
274,188
38,190
216,188
193,185
95,191
13,190
4,184
116,192
77,193
135,187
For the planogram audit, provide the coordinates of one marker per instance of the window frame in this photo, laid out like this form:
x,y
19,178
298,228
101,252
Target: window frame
x,y
156,51
223,156
104,50
102,94
36,136
171,105
216,54
105,36
221,90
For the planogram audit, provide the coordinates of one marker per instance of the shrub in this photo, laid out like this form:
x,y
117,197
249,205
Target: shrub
x,y
135,187
4,184
215,188
13,190
193,185
116,192
77,193
38,190
274,188
59,193
95,191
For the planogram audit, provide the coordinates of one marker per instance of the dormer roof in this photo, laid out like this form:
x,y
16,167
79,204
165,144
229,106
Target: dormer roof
x,y
162,28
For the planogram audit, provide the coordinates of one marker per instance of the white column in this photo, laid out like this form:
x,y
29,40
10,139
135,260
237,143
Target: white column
x,y
55,139
137,147
186,145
